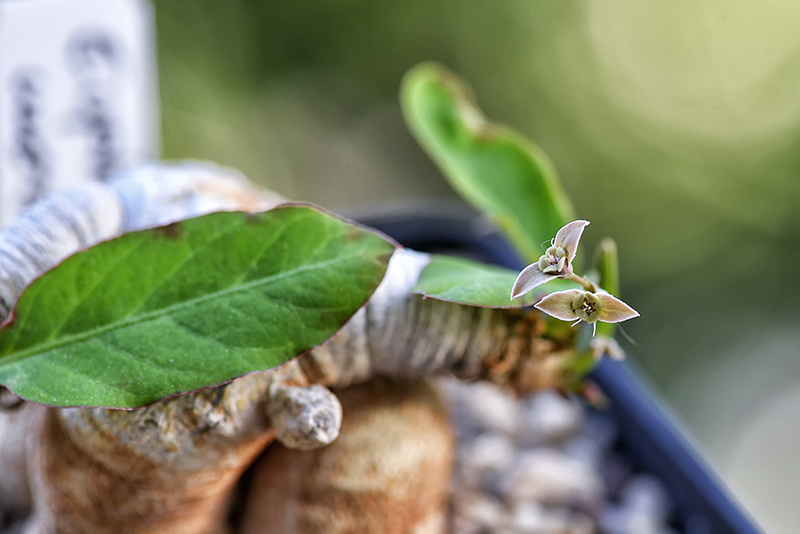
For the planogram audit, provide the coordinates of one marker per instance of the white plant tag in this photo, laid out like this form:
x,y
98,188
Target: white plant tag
x,y
78,94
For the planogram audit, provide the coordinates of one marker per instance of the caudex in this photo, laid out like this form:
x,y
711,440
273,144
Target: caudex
x,y
179,347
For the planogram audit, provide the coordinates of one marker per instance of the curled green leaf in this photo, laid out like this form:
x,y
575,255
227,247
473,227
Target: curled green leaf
x,y
493,167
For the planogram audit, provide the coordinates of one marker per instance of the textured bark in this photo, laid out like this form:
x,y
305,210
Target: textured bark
x,y
50,231
169,468
388,472
401,335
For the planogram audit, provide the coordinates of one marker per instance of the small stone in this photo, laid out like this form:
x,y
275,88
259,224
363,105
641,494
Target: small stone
x,y
483,457
613,520
528,517
551,477
583,524
548,418
533,518
622,520
565,521
646,494
584,450
474,512
481,407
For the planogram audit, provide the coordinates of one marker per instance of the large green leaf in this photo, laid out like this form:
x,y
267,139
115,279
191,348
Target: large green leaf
x,y
193,304
493,167
476,284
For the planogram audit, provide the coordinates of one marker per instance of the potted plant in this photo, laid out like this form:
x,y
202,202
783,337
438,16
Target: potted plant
x,y
159,363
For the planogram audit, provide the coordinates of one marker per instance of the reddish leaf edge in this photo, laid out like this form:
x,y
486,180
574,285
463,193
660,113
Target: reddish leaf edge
x,y
169,228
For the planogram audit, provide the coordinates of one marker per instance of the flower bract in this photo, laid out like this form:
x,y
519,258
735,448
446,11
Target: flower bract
x,y
556,262
577,305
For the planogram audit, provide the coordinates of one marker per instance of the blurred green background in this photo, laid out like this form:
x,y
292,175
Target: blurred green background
x,y
675,127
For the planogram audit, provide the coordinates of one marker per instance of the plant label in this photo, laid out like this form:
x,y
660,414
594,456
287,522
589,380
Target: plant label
x,y
78,94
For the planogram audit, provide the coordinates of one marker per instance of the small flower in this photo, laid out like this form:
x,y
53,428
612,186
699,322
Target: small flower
x,y
577,305
556,262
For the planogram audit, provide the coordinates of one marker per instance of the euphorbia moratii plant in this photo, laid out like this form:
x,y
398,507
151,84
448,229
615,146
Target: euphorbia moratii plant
x,y
265,287
311,298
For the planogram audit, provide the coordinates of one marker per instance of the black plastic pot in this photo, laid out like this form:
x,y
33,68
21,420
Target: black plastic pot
x,y
647,436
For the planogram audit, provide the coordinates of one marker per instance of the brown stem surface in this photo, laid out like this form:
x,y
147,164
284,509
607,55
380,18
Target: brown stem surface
x,y
169,468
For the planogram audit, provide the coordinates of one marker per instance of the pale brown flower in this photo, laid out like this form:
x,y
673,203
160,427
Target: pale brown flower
x,y
556,262
578,305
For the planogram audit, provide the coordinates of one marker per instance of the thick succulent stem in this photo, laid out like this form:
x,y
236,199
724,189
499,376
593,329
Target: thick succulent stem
x,y
389,472
169,467
401,335
162,469
50,231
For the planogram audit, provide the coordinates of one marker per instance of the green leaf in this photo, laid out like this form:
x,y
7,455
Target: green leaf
x,y
493,167
606,263
193,304
475,284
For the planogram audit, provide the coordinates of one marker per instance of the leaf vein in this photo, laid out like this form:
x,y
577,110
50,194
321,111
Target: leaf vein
x,y
168,310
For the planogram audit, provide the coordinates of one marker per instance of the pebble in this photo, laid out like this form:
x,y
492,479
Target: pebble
x,y
551,477
544,465
528,516
533,518
645,493
481,407
474,512
548,418
622,520
585,450
485,456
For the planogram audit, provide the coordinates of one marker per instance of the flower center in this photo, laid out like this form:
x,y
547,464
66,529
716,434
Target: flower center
x,y
553,260
587,306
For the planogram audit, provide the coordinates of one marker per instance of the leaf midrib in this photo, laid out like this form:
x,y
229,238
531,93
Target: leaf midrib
x,y
156,314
